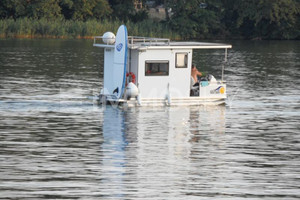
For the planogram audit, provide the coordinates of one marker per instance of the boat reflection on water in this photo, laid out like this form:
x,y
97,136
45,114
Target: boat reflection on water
x,y
152,151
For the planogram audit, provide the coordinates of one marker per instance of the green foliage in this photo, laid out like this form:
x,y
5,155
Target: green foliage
x,y
60,28
12,9
259,19
192,21
266,19
185,19
52,9
124,10
92,9
36,9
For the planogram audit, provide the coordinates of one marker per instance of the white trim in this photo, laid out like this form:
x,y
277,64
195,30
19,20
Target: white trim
x,y
104,46
187,47
192,101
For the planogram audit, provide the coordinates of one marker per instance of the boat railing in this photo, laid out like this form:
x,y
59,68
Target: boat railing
x,y
97,40
132,40
135,40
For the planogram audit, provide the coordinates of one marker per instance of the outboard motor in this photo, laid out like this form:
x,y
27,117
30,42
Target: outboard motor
x,y
131,91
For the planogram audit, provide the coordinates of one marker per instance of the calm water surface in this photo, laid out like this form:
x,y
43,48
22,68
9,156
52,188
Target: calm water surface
x,y
55,143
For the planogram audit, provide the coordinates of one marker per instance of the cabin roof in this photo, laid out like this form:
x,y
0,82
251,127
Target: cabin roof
x,y
144,43
181,45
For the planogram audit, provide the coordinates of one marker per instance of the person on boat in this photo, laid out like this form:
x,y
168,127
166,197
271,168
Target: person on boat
x,y
194,75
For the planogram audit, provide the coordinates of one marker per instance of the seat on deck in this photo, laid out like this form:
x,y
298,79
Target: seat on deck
x,y
194,88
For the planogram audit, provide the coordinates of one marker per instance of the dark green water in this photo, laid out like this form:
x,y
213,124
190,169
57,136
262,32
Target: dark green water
x,y
55,143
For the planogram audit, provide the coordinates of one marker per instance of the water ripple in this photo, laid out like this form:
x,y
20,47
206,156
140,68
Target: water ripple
x,y
55,143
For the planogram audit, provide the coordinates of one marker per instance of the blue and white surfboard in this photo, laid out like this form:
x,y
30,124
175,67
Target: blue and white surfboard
x,y
120,62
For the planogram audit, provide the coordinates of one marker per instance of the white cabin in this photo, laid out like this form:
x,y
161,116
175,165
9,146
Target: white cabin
x,y
162,72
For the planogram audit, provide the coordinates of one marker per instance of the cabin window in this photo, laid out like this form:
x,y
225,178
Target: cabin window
x,y
157,68
181,60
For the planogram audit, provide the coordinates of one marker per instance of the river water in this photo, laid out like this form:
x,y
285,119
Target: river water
x,y
55,143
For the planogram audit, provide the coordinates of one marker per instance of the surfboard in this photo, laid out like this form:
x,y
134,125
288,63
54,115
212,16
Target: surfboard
x,y
120,62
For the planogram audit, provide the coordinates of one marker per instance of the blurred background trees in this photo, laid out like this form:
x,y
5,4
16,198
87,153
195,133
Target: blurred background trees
x,y
249,19
191,19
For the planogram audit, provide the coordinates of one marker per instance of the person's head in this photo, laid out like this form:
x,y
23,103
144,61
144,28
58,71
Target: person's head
x,y
193,66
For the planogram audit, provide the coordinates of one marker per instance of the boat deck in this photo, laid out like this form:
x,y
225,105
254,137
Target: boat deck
x,y
192,101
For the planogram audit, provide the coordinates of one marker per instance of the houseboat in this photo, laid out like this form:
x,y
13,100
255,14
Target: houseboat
x,y
142,71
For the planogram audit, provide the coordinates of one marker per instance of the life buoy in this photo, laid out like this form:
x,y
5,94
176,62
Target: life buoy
x,y
131,77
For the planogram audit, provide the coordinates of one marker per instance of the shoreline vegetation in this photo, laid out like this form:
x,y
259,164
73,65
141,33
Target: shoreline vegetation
x,y
23,28
75,29
176,20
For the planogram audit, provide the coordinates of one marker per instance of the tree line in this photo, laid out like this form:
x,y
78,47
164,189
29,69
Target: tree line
x,y
190,19
261,19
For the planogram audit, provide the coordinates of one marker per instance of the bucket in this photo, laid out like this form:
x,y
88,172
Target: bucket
x,y
204,83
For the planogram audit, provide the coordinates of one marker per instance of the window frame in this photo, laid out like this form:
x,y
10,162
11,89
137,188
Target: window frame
x,y
159,71
185,60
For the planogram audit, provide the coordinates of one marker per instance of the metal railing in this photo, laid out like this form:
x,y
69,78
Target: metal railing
x,y
147,40
97,37
135,40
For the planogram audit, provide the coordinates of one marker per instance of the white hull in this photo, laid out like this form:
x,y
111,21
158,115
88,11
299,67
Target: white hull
x,y
192,101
